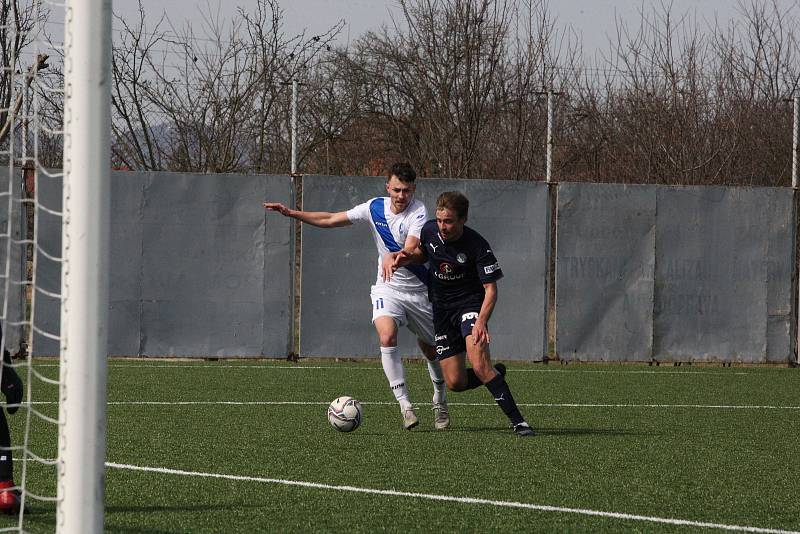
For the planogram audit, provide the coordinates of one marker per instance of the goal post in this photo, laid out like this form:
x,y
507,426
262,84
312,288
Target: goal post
x,y
85,281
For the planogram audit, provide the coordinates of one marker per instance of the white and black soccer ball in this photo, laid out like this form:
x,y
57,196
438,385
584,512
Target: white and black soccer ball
x,y
345,414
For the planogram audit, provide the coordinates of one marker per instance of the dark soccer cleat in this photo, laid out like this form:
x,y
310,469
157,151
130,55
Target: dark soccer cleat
x,y
500,368
10,385
523,430
9,498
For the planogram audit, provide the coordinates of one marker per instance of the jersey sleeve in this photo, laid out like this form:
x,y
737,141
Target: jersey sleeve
x,y
360,212
425,236
418,220
488,267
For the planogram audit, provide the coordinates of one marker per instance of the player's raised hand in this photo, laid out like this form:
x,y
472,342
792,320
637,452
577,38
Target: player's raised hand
x,y
277,206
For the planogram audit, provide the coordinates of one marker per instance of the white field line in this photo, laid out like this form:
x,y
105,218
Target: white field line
x,y
372,368
379,403
369,368
460,500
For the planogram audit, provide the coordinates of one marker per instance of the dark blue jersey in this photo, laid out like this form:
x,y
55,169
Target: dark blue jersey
x,y
458,269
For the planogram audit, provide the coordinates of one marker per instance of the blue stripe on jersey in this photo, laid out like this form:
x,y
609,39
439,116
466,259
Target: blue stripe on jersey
x,y
379,220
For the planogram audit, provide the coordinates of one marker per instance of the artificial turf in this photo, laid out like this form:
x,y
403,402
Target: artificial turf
x,y
701,444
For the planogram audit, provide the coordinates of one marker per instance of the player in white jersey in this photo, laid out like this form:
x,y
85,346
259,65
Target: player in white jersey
x,y
399,298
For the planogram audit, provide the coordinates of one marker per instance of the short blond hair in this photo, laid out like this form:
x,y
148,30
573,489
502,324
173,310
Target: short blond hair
x,y
455,201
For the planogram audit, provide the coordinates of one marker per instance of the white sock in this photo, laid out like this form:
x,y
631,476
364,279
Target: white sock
x,y
396,374
439,388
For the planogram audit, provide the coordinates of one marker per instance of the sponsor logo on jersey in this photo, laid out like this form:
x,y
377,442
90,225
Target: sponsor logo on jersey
x,y
381,224
421,215
447,272
440,337
461,258
489,269
468,316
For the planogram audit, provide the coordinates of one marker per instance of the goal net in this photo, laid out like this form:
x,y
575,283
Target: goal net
x,y
54,182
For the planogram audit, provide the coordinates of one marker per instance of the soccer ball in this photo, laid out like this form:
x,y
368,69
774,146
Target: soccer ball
x,y
344,414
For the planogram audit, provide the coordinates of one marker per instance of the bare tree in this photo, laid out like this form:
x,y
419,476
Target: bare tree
x,y
674,102
211,101
458,88
17,24
430,79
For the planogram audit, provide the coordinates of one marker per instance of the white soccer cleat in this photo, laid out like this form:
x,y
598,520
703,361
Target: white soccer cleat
x,y
410,419
441,417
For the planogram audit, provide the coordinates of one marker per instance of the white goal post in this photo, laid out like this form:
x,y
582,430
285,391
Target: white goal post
x,y
84,309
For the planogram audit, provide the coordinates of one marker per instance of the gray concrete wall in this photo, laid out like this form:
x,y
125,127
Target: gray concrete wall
x,y
723,274
339,265
674,273
604,273
12,261
198,268
195,269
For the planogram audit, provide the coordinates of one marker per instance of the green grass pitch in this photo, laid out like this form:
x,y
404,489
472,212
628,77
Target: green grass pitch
x,y
244,446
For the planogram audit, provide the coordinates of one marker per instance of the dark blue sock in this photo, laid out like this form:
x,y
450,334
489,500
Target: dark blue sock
x,y
502,396
472,380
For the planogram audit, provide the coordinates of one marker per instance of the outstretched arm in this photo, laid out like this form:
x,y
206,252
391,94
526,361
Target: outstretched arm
x,y
322,219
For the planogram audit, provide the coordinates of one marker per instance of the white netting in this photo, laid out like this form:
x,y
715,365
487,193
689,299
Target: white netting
x,y
31,145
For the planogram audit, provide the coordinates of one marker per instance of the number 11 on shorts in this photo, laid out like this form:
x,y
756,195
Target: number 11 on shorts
x,y
379,304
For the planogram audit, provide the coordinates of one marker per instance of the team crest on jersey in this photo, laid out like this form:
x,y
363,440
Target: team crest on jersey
x,y
461,258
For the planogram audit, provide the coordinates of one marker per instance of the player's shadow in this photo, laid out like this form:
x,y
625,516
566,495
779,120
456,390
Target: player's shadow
x,y
544,431
586,432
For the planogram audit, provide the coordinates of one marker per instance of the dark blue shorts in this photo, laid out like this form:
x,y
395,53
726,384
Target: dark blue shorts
x,y
451,328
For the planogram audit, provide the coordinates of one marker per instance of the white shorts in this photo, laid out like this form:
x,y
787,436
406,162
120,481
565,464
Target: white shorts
x,y
411,309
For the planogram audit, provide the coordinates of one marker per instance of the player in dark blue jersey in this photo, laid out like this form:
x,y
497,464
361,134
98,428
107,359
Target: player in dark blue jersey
x,y
11,387
463,292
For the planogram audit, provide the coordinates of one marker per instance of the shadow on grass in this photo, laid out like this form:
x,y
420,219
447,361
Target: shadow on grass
x,y
586,432
539,431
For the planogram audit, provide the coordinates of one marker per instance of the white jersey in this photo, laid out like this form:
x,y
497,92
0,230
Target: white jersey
x,y
389,230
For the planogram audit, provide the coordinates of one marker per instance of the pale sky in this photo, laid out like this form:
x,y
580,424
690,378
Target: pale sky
x,y
592,20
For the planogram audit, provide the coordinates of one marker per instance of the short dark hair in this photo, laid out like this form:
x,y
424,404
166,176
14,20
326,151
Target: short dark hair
x,y
404,172
455,201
